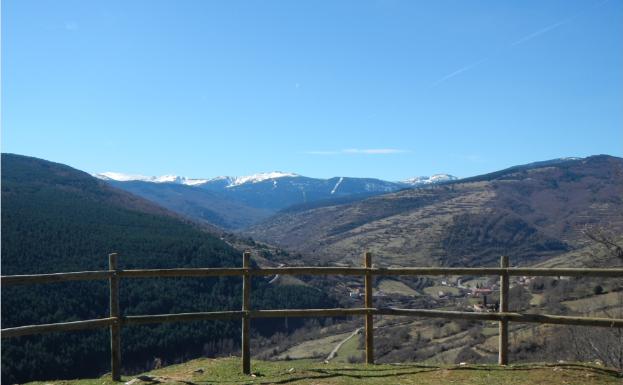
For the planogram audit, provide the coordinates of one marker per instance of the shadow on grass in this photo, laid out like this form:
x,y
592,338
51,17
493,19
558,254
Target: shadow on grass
x,y
400,370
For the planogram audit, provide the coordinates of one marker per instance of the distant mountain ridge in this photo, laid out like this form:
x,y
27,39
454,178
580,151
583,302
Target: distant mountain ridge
x,y
238,202
232,181
528,212
119,177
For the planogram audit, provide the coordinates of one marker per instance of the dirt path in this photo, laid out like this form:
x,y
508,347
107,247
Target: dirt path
x,y
339,345
276,277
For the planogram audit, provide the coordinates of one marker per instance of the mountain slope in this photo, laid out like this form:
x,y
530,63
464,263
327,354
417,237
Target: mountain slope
x,y
54,219
197,203
528,212
235,203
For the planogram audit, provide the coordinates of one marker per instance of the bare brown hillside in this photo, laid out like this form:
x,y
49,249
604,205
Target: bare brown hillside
x,y
529,213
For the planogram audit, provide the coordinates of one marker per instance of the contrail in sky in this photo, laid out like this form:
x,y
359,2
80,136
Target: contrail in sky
x,y
458,72
524,39
542,31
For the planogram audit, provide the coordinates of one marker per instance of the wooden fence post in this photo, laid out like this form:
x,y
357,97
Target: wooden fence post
x,y
368,304
115,332
504,287
246,299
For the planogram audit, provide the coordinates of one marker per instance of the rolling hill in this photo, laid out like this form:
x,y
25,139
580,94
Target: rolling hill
x,y
58,219
528,212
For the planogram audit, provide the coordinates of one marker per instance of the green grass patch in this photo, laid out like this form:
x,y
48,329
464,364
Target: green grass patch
x,y
318,348
391,286
349,349
434,290
306,372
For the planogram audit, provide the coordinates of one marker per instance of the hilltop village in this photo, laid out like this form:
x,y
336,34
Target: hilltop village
x,y
465,293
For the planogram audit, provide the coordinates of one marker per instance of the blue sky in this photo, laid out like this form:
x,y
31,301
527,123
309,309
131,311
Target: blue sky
x,y
387,89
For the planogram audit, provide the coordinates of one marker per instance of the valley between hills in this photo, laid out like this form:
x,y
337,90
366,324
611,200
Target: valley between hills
x,y
559,213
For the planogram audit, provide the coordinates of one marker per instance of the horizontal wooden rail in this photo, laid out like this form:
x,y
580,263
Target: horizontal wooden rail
x,y
512,271
309,312
30,279
437,271
509,316
181,317
565,272
339,312
57,327
116,320
191,272
309,271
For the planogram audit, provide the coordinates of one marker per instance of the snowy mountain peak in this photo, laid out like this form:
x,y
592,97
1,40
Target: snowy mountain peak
x,y
229,180
109,175
424,180
255,178
117,176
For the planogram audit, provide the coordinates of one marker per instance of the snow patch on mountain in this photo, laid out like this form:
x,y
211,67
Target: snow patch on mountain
x,y
231,181
425,180
117,176
256,178
120,177
337,185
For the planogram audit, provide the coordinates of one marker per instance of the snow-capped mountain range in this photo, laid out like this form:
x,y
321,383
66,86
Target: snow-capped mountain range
x,y
236,202
119,177
233,181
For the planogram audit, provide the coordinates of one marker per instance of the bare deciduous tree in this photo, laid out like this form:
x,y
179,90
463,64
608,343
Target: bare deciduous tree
x,y
605,345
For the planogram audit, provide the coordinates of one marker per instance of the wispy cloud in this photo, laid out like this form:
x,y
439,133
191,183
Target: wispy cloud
x,y
373,151
359,151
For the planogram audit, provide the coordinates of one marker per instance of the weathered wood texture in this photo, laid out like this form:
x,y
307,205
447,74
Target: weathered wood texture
x,y
56,327
503,324
196,272
115,326
246,321
217,272
367,260
512,271
116,320
181,317
424,313
308,313
309,271
30,279
514,317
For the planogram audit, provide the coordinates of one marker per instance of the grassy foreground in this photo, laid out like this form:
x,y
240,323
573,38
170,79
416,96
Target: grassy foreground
x,y
227,371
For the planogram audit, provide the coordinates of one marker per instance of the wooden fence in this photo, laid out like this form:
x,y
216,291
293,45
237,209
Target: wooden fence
x,y
116,320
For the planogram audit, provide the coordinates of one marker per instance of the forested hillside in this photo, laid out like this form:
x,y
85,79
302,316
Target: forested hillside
x,y
200,204
55,219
